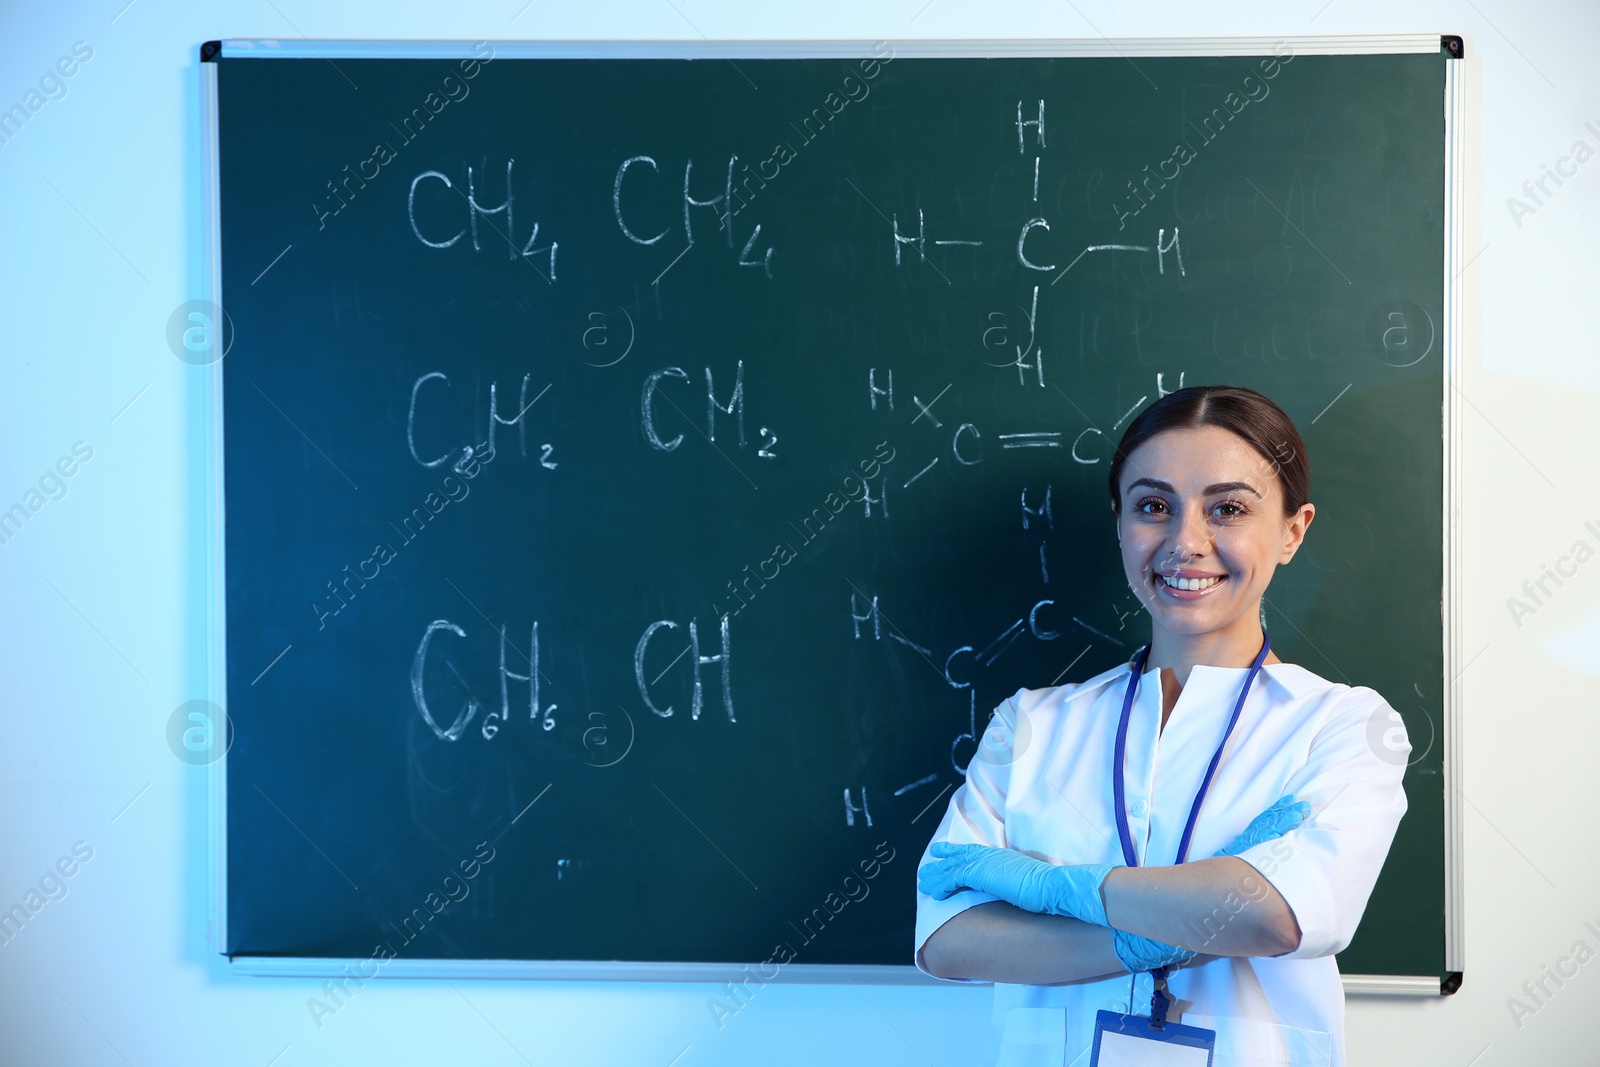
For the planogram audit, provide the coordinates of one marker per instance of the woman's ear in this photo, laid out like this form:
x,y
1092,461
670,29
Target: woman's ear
x,y
1294,531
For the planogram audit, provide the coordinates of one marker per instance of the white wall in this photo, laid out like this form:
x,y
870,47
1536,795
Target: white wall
x,y
102,593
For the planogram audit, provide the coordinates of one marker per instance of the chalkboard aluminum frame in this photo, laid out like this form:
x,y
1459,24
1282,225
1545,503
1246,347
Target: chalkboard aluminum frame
x,y
1453,329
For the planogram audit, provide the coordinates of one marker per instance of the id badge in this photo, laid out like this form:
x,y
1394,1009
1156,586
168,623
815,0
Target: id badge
x,y
1131,1041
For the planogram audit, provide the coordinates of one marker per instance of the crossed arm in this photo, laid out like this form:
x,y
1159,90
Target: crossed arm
x,y
1220,907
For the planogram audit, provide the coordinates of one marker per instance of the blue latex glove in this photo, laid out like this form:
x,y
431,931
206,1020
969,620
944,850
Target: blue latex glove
x,y
1142,954
1287,814
1072,888
1032,885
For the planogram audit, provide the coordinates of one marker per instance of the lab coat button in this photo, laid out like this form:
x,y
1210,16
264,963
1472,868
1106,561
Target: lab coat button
x,y
1138,809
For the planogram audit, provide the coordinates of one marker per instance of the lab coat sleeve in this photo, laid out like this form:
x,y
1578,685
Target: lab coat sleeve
x,y
1327,867
976,815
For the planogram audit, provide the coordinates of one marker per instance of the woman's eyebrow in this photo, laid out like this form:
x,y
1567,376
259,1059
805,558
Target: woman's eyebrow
x,y
1229,487
1165,487
1210,490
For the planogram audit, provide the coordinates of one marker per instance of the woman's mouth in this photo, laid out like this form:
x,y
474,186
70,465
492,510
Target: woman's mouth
x,y
1189,588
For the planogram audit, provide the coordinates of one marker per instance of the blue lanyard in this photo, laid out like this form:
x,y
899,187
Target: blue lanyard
x,y
1159,1000
1120,757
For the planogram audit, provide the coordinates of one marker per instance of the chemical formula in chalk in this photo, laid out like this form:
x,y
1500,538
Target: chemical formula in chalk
x,y
437,684
1032,247
646,678
434,205
427,433
649,414
651,201
964,447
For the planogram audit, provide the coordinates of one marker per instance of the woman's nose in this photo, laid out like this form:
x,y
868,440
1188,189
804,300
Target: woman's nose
x,y
1190,537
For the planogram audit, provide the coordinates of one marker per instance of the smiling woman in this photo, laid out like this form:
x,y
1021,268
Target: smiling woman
x,y
1199,485
1267,773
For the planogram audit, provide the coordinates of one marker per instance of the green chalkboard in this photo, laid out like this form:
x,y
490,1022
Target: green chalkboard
x,y
644,475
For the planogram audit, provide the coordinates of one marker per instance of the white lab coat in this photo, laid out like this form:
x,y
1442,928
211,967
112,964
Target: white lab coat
x,y
1041,783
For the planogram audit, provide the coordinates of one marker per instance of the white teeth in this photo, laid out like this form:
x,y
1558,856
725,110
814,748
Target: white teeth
x,y
1190,584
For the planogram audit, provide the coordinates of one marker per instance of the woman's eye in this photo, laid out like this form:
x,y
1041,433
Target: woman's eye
x,y
1151,505
1231,509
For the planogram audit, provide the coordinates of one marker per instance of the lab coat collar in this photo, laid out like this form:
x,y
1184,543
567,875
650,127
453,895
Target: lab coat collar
x,y
1289,678
1117,674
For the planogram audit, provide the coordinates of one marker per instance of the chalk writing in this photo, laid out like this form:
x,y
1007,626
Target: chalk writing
x,y
496,420
719,204
422,692
438,210
734,408
851,810
725,658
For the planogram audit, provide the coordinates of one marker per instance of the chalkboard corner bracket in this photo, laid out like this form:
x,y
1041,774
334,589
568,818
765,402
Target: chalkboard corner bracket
x,y
1449,983
210,51
1453,45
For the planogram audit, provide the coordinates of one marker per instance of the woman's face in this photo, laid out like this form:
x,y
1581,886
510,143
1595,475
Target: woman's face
x,y
1202,528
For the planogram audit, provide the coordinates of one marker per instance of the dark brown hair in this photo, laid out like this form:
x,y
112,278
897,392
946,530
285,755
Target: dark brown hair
x,y
1258,421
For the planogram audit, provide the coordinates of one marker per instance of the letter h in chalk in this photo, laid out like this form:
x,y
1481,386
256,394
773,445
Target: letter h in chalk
x,y
723,658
